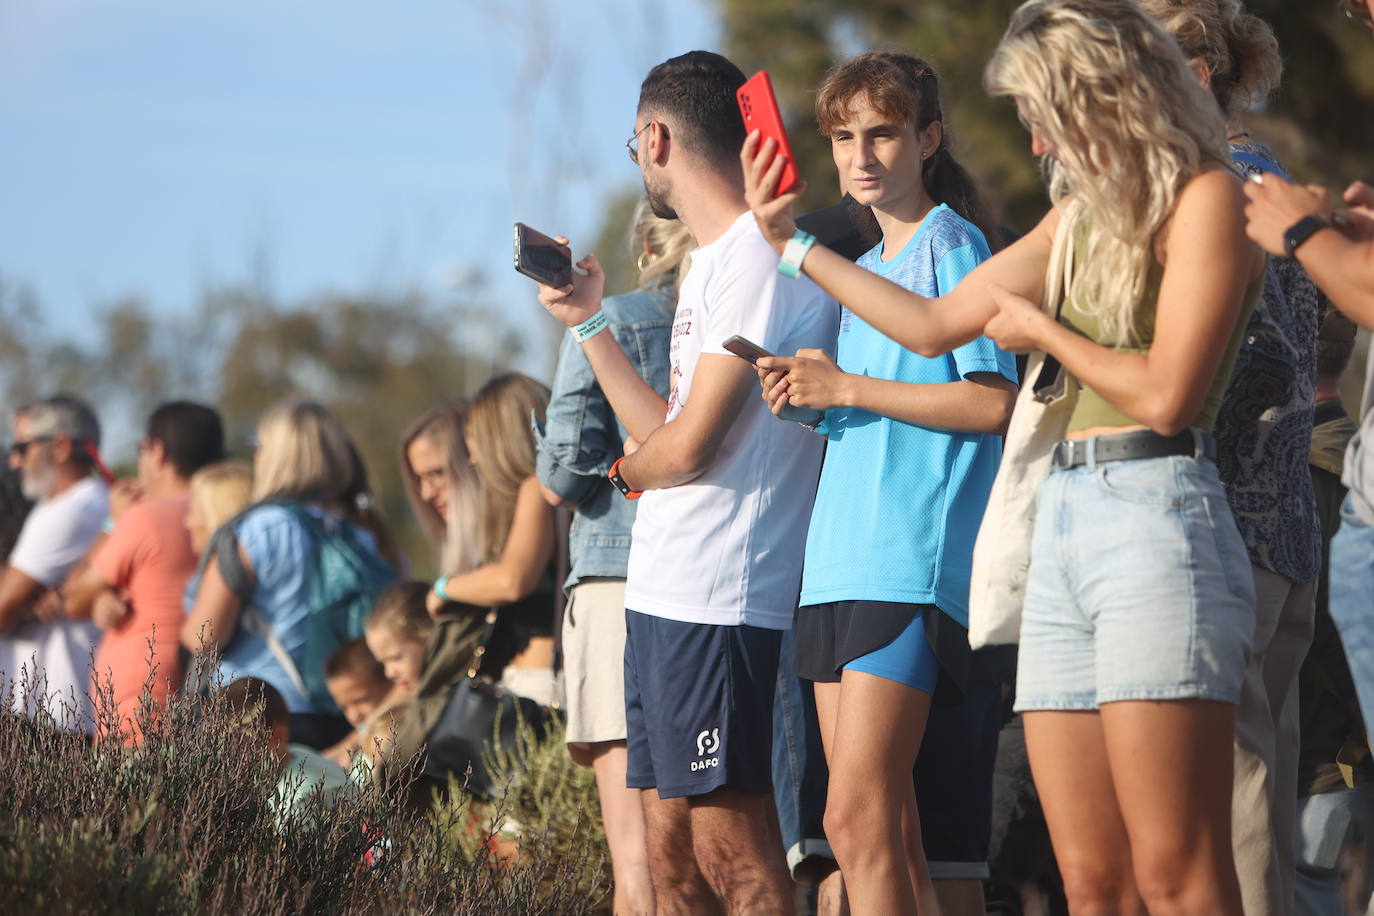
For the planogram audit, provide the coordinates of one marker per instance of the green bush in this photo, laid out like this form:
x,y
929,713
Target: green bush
x,y
183,823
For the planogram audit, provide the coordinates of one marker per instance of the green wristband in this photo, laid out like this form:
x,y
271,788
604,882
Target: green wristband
x,y
440,587
798,246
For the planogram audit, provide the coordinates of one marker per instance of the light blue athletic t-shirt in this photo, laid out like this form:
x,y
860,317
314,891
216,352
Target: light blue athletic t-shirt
x,y
899,505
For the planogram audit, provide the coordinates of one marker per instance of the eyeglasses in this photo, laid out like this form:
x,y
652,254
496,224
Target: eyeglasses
x,y
1358,10
632,144
20,449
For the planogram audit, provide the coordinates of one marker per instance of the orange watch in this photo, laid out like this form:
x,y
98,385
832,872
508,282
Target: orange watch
x,y
619,482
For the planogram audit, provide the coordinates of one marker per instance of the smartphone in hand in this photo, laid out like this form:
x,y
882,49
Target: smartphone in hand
x,y
745,348
540,258
758,105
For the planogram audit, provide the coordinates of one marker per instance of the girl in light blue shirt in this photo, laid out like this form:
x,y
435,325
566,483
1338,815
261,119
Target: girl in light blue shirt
x,y
913,449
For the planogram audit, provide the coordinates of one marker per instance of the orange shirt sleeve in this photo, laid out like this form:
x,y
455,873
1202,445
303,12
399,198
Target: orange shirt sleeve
x,y
126,548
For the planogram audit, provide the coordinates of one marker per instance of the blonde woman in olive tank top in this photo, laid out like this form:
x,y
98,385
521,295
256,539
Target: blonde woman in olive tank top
x,y
1139,608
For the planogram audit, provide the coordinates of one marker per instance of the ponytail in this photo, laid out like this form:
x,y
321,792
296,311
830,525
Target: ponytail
x,y
948,182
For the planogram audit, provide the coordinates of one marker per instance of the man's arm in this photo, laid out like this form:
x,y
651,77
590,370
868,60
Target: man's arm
x,y
1344,270
637,405
1340,260
83,588
18,593
681,450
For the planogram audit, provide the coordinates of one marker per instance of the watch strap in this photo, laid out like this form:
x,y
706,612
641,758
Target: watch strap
x,y
798,246
1301,231
619,482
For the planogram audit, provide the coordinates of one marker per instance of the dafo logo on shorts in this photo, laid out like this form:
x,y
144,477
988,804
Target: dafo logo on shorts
x,y
708,743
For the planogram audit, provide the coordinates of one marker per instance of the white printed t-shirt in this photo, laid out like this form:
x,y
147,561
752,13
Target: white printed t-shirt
x,y
57,533
727,547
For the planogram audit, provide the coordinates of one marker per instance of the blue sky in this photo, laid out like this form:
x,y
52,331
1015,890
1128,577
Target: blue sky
x,y
152,146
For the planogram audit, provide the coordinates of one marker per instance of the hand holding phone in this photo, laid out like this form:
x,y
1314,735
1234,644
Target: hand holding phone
x,y
758,105
745,348
541,258
571,298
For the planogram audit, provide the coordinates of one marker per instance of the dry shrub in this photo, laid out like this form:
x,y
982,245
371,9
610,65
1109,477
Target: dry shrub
x,y
184,823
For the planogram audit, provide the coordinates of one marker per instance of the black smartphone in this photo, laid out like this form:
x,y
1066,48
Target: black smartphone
x,y
540,258
745,348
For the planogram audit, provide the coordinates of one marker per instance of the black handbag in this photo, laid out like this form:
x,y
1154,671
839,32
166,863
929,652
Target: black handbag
x,y
479,717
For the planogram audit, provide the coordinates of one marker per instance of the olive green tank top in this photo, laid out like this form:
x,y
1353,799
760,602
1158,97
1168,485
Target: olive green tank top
x,y
1094,410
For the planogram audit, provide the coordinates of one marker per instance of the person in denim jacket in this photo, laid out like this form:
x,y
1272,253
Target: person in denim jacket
x,y
579,440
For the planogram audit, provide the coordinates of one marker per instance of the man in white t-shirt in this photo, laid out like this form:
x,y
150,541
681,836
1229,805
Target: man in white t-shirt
x,y
715,560
45,657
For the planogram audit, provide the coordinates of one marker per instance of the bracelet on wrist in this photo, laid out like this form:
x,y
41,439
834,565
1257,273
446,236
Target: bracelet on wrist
x,y
591,327
796,250
441,588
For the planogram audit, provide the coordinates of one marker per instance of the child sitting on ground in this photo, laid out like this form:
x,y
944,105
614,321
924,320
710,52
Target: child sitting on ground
x,y
303,771
397,633
358,684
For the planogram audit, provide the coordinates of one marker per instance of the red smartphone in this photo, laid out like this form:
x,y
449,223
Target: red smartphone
x,y
759,108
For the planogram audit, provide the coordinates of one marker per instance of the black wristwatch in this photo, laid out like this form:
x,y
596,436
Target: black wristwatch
x,y
1300,232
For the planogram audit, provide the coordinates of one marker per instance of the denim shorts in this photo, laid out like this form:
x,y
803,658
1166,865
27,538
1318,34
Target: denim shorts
x,y
1140,588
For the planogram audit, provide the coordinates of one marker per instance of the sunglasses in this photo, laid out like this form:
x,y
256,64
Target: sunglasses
x,y
20,449
1358,10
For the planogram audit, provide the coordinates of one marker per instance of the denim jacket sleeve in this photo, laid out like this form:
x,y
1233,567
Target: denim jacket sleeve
x,y
579,438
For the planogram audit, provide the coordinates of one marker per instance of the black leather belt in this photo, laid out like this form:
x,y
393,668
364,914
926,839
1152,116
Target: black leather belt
x,y
1141,443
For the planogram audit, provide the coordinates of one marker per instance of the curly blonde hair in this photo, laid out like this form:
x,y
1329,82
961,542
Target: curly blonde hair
x,y
1128,125
1239,49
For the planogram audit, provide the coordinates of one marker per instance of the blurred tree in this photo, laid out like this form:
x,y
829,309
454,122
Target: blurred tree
x,y
1321,122
378,361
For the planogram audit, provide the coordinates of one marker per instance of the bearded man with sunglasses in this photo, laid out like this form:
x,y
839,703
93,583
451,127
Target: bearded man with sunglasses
x,y
44,655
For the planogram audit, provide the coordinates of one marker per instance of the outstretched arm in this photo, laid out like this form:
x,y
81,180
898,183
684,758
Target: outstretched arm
x,y
1208,265
926,326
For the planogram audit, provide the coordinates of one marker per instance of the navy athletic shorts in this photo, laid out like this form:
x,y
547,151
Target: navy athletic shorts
x,y
699,705
955,765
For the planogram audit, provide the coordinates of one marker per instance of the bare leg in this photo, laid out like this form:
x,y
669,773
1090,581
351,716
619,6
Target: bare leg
x,y
960,896
830,896
738,847
870,819
1171,763
623,816
1068,757
680,889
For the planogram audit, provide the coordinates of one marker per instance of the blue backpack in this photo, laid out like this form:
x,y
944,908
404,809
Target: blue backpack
x,y
343,578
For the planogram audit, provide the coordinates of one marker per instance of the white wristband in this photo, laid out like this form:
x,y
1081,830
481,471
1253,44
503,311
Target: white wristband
x,y
796,250
591,327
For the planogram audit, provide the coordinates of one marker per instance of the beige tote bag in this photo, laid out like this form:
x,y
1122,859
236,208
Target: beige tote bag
x,y
1001,555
